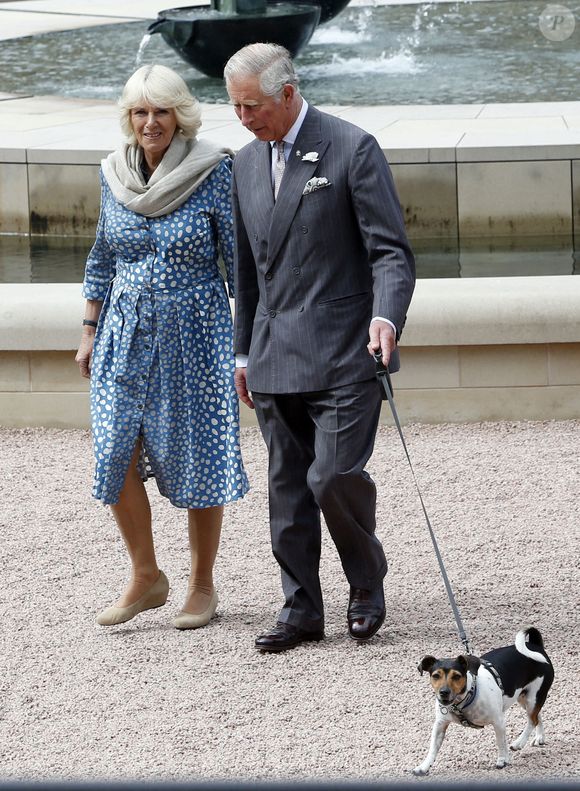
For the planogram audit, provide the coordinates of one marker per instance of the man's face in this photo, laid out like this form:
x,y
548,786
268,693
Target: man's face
x,y
268,117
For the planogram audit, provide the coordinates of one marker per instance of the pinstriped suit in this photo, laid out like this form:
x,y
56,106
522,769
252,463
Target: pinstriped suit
x,y
311,271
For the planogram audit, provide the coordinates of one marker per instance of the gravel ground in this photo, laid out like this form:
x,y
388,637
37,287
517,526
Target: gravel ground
x,y
143,701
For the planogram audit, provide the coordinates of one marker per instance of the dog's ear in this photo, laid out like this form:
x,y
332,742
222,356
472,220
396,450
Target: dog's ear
x,y
426,664
469,662
473,664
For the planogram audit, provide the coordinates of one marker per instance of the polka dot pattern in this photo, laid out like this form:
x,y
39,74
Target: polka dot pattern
x,y
163,360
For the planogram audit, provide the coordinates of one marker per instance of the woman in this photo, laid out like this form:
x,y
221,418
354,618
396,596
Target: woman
x,y
157,340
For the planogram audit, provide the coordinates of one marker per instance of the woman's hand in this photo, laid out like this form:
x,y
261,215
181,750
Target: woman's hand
x,y
85,354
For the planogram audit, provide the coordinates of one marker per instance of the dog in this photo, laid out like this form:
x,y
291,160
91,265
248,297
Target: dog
x,y
476,691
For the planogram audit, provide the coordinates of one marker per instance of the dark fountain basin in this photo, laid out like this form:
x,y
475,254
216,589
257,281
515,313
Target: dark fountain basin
x,y
328,8
206,37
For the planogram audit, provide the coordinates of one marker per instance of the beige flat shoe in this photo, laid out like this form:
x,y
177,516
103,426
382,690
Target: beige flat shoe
x,y
188,620
156,596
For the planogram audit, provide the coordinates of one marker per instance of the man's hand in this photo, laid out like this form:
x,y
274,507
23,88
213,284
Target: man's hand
x,y
381,336
241,387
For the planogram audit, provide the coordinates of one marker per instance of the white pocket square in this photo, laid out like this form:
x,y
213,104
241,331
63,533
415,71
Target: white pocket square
x,y
316,183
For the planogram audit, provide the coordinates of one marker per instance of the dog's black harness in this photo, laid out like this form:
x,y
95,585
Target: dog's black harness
x,y
488,666
457,709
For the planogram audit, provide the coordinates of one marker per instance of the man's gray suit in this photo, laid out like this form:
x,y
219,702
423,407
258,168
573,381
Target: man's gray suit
x,y
312,270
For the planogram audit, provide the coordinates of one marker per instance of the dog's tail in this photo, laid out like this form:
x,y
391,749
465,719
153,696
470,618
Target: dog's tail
x,y
533,635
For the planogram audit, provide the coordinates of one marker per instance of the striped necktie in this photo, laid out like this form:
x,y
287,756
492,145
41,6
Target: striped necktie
x,y
279,166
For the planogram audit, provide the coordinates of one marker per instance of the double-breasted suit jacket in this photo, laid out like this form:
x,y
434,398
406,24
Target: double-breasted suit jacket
x,y
314,267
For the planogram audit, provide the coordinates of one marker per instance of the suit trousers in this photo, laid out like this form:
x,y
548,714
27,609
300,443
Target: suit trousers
x,y
318,444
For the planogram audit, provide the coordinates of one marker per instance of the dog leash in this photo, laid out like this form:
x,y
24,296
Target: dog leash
x,y
385,379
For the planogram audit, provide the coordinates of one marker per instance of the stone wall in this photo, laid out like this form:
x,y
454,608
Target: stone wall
x,y
473,349
57,192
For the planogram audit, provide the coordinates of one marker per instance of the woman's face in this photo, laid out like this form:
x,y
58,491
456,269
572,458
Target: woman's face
x,y
154,128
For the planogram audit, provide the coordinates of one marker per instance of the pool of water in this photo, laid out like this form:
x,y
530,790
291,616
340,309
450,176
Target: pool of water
x,y
55,259
434,53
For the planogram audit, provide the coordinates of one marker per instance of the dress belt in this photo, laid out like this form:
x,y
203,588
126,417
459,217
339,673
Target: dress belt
x,y
118,284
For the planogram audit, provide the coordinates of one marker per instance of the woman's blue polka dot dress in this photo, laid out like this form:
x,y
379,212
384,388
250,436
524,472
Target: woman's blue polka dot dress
x,y
163,359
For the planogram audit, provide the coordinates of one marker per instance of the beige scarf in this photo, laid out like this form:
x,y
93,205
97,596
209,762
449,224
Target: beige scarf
x,y
185,164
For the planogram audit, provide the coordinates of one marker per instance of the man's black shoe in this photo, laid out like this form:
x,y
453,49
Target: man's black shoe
x,y
366,612
284,636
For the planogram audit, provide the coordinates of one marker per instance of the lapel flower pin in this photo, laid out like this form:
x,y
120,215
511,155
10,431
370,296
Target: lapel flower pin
x,y
311,156
316,183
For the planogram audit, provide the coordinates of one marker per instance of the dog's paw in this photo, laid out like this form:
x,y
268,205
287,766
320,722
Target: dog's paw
x,y
501,763
420,771
538,741
515,746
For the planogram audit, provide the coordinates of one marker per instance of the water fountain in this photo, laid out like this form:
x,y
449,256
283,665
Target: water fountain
x,y
450,53
328,8
207,37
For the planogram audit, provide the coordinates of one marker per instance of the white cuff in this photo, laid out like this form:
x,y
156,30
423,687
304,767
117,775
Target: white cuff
x,y
241,360
381,318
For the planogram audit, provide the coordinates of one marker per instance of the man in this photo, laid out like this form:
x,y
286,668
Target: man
x,y
324,276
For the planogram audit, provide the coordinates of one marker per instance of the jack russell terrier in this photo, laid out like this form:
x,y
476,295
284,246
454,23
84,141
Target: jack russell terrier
x,y
476,691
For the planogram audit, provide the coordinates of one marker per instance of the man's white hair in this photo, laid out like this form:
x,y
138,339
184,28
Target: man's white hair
x,y
272,63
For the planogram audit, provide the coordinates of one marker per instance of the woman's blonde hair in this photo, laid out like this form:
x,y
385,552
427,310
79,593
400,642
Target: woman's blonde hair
x,y
160,86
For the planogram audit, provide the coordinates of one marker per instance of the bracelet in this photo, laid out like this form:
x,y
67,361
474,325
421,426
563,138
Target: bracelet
x,y
89,323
